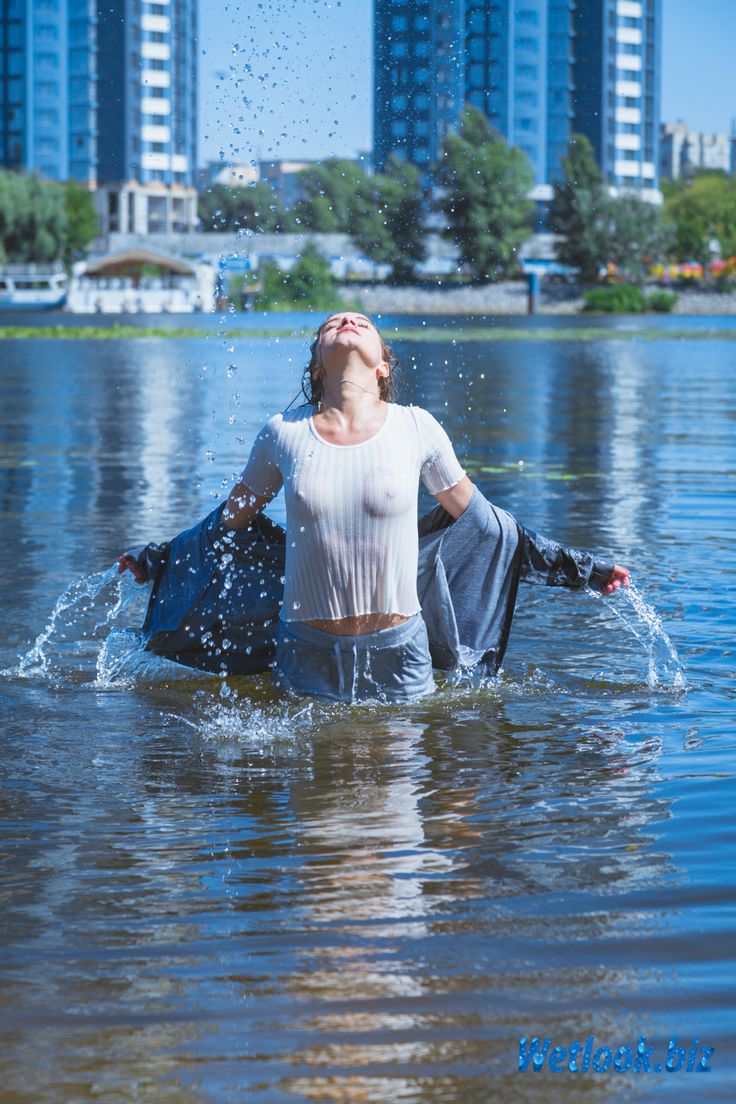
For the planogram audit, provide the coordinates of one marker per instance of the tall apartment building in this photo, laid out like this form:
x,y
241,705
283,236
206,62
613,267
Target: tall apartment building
x,y
105,92
47,88
539,69
147,115
617,88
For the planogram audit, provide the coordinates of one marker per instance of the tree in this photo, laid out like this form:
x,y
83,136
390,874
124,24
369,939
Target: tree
x,y
328,196
309,285
580,211
486,183
241,207
637,234
388,219
82,222
702,211
33,218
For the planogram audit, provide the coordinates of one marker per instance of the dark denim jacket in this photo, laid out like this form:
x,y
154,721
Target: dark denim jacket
x,y
217,592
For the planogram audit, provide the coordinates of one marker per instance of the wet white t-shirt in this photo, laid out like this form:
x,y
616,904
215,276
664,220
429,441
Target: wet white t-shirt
x,y
351,510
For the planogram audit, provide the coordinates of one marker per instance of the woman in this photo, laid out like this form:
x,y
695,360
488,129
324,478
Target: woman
x,y
350,464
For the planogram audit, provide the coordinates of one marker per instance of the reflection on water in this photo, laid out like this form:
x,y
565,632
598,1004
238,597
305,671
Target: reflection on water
x,y
214,894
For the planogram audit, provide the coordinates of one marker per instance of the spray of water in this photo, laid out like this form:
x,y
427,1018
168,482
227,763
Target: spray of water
x,y
90,593
664,670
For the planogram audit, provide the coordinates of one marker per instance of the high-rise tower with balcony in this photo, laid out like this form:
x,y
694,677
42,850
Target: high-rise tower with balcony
x,y
617,88
147,115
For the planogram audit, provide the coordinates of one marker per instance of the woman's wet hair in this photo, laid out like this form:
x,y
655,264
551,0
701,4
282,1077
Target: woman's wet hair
x,y
312,387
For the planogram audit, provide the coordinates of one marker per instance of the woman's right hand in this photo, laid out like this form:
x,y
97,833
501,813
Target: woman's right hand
x,y
127,563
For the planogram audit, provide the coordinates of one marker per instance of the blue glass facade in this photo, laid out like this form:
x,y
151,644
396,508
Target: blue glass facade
x,y
13,83
47,88
418,86
539,69
100,90
511,59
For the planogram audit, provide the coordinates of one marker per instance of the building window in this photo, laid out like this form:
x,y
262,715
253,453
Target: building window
x,y
398,102
399,23
399,49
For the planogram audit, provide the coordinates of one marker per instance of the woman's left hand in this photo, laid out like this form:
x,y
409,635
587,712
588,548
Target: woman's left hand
x,y
620,576
127,563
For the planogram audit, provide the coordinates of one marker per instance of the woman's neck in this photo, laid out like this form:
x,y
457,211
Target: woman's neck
x,y
349,398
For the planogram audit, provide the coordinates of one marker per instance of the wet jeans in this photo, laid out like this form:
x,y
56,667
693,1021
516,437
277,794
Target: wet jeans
x,y
392,665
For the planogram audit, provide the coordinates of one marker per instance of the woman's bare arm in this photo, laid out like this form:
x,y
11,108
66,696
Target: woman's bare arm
x,y
242,506
456,500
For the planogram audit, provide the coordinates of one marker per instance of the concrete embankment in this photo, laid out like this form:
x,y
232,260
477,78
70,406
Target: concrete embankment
x,y
510,297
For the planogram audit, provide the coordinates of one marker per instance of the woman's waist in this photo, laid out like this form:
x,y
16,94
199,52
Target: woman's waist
x,y
358,624
388,636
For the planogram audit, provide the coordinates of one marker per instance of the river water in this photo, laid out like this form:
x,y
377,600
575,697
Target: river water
x,y
213,895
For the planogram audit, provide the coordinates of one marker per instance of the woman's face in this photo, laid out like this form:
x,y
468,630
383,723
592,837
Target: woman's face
x,y
350,330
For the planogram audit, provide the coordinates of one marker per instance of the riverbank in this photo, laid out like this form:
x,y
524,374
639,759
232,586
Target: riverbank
x,y
404,332
508,298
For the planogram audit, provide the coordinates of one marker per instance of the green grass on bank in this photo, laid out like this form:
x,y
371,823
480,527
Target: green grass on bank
x,y
448,334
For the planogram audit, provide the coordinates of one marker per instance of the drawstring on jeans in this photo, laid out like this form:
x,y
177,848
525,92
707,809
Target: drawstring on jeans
x,y
341,670
340,674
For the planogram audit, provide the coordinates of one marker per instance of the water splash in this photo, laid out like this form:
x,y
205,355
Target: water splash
x,y
85,596
664,670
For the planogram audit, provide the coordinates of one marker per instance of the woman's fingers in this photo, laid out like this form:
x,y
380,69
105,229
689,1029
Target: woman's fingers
x,y
620,576
125,563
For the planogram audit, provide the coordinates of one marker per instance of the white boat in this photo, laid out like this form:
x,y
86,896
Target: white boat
x,y
32,286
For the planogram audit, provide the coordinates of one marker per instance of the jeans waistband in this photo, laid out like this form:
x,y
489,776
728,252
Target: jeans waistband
x,y
383,638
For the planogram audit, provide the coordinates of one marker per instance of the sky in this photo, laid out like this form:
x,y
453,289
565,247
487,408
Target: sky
x,y
292,78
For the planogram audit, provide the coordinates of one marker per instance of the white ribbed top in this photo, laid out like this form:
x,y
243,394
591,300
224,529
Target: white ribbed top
x,y
351,510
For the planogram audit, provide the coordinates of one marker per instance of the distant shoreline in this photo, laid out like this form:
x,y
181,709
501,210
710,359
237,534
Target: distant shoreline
x,y
510,298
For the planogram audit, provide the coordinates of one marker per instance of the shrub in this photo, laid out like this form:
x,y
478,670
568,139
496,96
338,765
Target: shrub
x,y
309,285
661,301
620,299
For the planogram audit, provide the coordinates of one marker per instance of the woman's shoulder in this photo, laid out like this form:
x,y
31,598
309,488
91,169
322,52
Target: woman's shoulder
x,y
288,418
417,415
